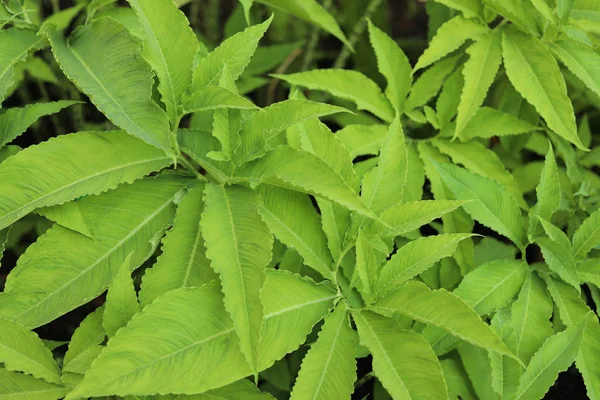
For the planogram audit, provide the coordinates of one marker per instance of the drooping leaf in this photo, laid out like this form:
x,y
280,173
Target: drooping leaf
x,y
17,386
121,300
548,198
362,140
294,221
489,122
16,44
477,365
418,302
393,65
414,258
22,350
581,60
491,204
449,37
535,74
70,166
479,73
103,60
346,84
238,244
132,364
587,236
234,54
88,334
170,46
329,370
65,269
402,360
183,261
15,121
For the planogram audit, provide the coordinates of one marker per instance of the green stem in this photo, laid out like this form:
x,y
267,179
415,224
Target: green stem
x,y
314,41
358,30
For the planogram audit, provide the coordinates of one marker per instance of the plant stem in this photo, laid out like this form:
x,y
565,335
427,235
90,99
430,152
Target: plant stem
x,y
314,41
358,30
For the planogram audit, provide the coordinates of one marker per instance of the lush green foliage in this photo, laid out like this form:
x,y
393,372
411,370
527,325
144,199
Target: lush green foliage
x,y
445,227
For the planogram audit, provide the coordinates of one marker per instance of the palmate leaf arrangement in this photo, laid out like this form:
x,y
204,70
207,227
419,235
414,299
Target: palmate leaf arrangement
x,y
250,269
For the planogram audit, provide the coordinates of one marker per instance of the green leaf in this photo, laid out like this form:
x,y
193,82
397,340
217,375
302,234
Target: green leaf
x,y
587,236
238,244
587,359
477,365
530,318
430,82
121,300
492,205
346,84
183,261
67,215
259,132
393,65
303,171
233,54
22,350
414,258
582,61
548,200
214,97
15,121
82,363
558,254
70,166
486,289
362,140
16,386
384,185
52,278
417,301
457,379
170,46
294,221
485,57
556,355
131,364
586,9
535,74
329,370
470,8
489,122
449,37
102,60
402,360
367,265
311,11
571,307
479,159
88,334
16,43
198,144
506,372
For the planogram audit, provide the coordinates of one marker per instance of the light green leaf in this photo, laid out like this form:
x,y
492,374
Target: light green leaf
x,y
367,266
67,215
214,97
262,128
535,74
328,370
234,54
170,46
16,386
530,318
571,307
15,121
449,37
198,144
558,254
402,360
22,350
506,372
393,65
582,61
414,258
586,9
294,221
303,171
544,9
556,355
82,362
548,195
311,11
383,186
477,365
346,84
121,300
183,261
362,140
70,166
457,379
16,44
131,364
238,244
103,60
417,301
430,82
335,222
489,122
485,57
65,269
587,359
491,204
446,105
470,8
589,271
88,334
587,236
479,159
